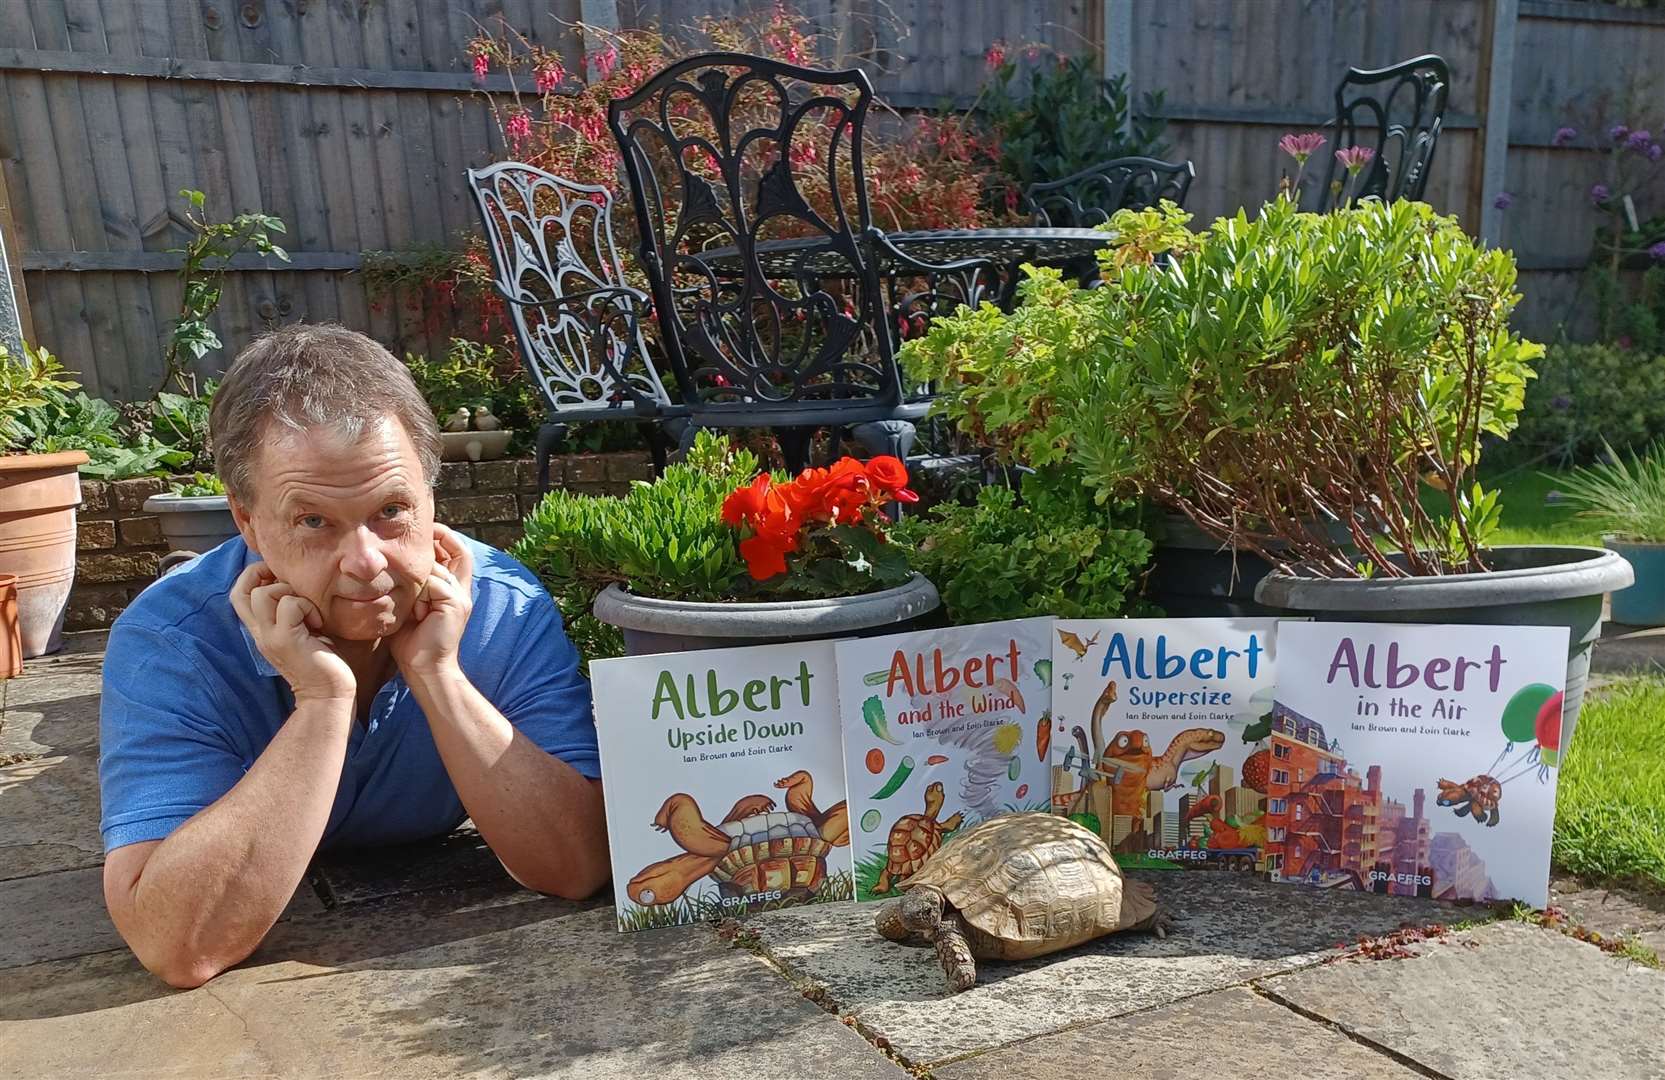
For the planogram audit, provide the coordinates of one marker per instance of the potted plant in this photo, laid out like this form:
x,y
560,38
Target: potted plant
x,y
1627,501
715,553
194,515
480,399
1309,388
40,489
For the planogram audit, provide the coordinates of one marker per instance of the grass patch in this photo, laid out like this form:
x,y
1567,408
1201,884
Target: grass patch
x,y
1527,519
1610,800
707,906
868,869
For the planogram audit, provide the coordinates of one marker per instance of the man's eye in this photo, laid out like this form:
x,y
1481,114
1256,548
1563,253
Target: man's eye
x,y
393,511
312,521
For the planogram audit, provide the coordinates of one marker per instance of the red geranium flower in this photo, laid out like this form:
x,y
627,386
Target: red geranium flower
x,y
747,503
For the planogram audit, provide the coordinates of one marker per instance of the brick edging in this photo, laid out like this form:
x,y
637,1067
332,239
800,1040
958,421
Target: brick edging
x,y
118,545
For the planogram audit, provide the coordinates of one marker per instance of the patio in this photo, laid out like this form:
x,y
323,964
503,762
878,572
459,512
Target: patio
x,y
432,962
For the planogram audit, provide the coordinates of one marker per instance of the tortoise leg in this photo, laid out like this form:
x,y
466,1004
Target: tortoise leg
x,y
883,884
888,922
954,950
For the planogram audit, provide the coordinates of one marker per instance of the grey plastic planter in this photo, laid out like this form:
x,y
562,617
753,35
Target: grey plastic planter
x,y
660,626
1194,576
1528,586
195,523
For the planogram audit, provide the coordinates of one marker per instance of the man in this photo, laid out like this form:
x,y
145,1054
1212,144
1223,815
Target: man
x,y
349,672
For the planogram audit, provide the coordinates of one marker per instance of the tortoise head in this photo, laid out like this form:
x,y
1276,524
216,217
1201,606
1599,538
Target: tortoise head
x,y
933,798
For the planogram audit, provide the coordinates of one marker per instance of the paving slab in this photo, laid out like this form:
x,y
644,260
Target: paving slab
x,y
459,859
1232,928
49,792
501,987
1629,650
1500,1001
60,915
1228,1033
1613,912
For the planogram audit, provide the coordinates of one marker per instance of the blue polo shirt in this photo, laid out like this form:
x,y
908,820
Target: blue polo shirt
x,y
189,704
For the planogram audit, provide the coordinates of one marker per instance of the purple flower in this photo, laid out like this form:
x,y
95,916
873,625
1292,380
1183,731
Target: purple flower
x,y
1639,141
1504,200
1301,147
1658,251
1655,152
1599,194
1355,158
1563,136
1560,402
1618,132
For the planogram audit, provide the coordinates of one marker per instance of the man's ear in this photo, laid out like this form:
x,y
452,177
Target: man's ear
x,y
244,521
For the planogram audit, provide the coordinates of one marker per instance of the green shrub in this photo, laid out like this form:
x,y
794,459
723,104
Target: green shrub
x,y
1625,499
1064,117
1057,553
197,485
665,538
1585,394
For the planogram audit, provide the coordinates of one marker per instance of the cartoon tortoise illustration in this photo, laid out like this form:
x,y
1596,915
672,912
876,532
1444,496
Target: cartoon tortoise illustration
x,y
754,849
915,838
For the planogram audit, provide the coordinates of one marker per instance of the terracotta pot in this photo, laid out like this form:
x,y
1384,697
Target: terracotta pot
x,y
38,497
11,643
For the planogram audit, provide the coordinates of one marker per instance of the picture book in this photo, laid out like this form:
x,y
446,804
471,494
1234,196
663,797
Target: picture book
x,y
723,776
1416,760
942,729
1159,736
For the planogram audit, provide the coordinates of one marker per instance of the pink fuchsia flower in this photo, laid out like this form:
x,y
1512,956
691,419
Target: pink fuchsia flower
x,y
1301,147
1657,251
518,128
1618,132
1354,158
606,61
1504,200
1563,136
995,55
482,64
1599,193
549,76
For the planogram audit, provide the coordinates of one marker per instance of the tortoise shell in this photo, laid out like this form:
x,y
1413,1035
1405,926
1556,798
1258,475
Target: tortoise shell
x,y
913,839
773,852
1031,884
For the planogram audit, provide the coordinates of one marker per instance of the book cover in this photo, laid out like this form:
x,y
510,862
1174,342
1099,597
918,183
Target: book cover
x,y
723,776
942,729
1416,760
1159,736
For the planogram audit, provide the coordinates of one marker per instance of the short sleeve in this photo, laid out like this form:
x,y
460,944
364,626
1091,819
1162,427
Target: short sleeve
x,y
544,694
163,754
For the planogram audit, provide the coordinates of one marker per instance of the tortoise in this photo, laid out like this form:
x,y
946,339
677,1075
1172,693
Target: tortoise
x,y
1014,887
915,838
754,849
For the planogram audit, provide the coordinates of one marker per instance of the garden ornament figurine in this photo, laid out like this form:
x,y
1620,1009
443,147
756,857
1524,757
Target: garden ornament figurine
x,y
346,672
484,420
458,420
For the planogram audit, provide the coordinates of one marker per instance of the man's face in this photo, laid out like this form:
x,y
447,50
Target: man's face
x,y
346,524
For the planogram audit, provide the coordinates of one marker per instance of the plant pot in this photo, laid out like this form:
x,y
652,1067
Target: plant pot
x,y
1194,576
38,497
473,445
659,626
1537,585
195,523
1643,604
11,640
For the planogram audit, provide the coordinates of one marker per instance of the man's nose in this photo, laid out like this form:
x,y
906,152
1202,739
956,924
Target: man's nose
x,y
363,558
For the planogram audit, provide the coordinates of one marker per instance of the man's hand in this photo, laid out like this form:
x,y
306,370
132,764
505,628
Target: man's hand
x,y
286,628
427,645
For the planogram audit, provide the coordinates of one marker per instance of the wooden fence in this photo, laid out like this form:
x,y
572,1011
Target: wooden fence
x,y
353,120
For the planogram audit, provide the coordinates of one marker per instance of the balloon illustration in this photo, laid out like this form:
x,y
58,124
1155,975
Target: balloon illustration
x,y
1520,716
1547,729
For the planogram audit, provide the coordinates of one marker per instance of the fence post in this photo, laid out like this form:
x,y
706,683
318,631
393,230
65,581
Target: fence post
x,y
604,15
1495,116
1115,36
14,301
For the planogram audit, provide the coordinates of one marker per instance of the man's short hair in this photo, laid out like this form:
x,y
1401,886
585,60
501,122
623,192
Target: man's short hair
x,y
305,376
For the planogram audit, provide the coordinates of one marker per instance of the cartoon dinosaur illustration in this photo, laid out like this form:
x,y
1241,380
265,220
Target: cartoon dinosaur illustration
x,y
1074,644
1163,774
1128,758
1220,833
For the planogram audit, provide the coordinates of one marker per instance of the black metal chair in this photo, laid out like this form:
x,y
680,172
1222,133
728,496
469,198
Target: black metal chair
x,y
1396,111
1089,197
814,348
577,322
